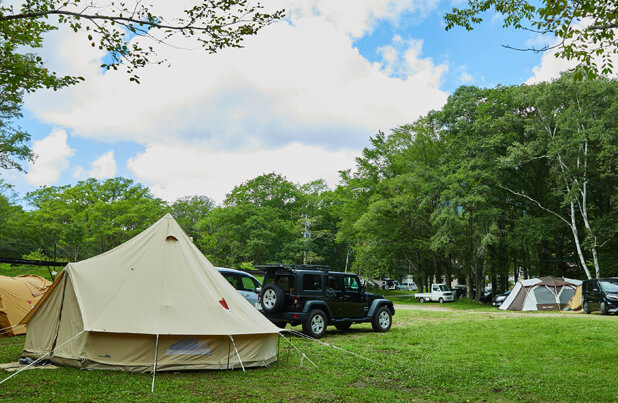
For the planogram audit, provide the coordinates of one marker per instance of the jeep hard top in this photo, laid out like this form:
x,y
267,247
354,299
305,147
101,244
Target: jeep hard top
x,y
316,297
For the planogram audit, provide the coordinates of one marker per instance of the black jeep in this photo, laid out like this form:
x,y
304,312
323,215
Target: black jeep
x,y
316,297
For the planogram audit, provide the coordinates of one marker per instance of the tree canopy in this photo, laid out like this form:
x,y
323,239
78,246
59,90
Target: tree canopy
x,y
582,30
113,28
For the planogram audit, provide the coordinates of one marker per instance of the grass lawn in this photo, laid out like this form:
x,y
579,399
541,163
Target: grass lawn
x,y
427,356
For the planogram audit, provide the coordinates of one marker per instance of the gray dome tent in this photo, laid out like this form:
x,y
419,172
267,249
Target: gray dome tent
x,y
541,294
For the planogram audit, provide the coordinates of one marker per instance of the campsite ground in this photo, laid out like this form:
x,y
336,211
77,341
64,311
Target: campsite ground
x,y
451,353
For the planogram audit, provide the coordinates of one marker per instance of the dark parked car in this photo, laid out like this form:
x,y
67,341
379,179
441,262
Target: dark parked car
x,y
600,294
316,297
460,290
499,299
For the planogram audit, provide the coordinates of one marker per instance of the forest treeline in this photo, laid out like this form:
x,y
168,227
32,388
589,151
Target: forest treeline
x,y
509,181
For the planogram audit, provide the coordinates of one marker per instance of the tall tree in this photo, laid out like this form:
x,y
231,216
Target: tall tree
x,y
574,129
92,216
14,147
189,210
257,223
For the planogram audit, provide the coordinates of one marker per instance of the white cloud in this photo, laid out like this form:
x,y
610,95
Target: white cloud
x,y
298,88
356,18
175,170
79,173
551,66
104,167
293,82
465,78
403,59
53,153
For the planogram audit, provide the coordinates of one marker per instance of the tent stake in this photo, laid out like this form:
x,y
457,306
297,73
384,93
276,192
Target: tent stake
x,y
154,367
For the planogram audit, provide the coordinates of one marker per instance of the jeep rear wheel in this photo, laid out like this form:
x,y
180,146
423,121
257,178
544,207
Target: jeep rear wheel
x,y
586,307
272,298
382,320
421,300
315,325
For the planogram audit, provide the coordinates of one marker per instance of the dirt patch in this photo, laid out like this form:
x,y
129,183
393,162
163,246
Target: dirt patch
x,y
500,314
16,366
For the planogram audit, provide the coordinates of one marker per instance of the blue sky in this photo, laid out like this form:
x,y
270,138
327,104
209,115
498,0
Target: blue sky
x,y
301,99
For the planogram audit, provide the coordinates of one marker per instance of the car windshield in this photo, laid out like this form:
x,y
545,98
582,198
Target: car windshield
x,y
444,287
609,285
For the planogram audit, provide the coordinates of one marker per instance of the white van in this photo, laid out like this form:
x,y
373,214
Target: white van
x,y
408,285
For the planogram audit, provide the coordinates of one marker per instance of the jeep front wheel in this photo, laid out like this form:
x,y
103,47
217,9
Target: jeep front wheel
x,y
315,325
382,320
272,298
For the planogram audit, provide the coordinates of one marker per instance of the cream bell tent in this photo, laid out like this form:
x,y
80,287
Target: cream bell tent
x,y
541,294
18,295
152,303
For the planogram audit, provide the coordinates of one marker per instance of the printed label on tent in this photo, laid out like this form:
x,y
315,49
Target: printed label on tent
x,y
548,307
189,346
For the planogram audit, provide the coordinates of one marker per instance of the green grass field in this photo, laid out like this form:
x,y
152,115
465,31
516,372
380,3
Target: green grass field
x,y
454,355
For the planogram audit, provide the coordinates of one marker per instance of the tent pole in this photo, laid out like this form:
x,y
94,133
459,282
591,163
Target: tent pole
x,y
289,347
237,355
278,343
154,366
228,353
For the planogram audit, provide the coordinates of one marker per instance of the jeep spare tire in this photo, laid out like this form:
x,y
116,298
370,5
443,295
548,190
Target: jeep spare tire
x,y
272,298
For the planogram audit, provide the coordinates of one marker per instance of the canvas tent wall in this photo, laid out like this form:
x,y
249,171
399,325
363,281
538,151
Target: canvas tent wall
x,y
155,295
540,294
18,295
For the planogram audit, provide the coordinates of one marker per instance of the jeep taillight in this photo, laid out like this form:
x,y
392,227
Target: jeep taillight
x,y
259,297
296,300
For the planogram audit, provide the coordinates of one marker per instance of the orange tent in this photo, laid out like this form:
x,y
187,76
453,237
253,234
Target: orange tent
x,y
575,304
18,295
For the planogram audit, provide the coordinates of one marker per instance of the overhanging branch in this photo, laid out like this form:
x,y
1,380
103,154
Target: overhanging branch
x,y
525,196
